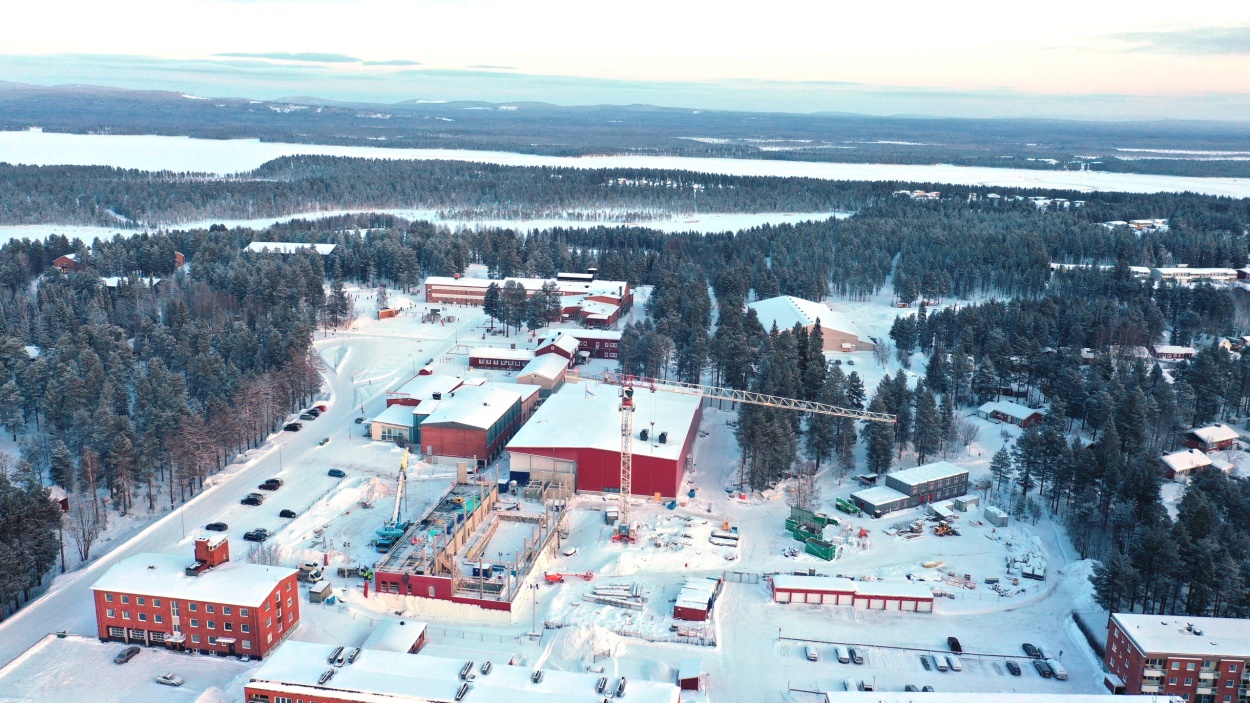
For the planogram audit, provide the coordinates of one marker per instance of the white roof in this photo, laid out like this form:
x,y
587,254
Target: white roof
x,y
786,310
879,495
572,418
164,576
424,387
1173,349
893,589
1167,634
565,341
596,309
928,472
115,281
378,676
983,697
587,333
289,247
1214,433
1010,409
1186,460
566,288
499,353
478,406
697,593
396,415
548,366
814,584
394,635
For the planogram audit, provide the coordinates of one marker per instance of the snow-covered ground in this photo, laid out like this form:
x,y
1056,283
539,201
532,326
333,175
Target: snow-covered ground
x,y
156,153
702,223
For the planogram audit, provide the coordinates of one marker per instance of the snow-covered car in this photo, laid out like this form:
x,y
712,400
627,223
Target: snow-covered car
x,y
857,656
569,551
126,655
170,680
810,653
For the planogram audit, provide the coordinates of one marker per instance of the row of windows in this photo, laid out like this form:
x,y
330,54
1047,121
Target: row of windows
x,y
192,607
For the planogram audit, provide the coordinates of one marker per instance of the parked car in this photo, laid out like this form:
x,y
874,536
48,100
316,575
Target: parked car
x,y
1032,651
1057,669
954,662
924,661
126,655
293,427
307,417
953,643
253,499
940,664
843,655
850,362
170,680
569,551
321,407
911,688
360,420
810,653
837,362
257,535
287,513
216,527
927,689
1014,668
857,656
865,685
272,484
337,473
1043,668
848,683
314,412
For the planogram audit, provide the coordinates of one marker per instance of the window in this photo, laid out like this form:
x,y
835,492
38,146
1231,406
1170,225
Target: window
x,y
1189,666
195,623
140,601
1176,665
143,617
269,637
288,602
243,612
225,610
125,600
268,622
195,639
1189,682
193,607
212,640
156,602
108,597
158,618
125,615
431,591
1171,680
1232,668
110,613
266,605
173,608
227,626
212,624
247,644
244,627
209,608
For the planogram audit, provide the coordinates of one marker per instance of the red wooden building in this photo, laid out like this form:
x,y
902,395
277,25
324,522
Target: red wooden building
x,y
66,263
1212,438
210,605
595,344
496,358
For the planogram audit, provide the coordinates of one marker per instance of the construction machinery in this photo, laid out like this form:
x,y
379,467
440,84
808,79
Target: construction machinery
x,y
394,528
628,382
555,577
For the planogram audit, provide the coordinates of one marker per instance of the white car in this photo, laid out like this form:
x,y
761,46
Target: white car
x,y
170,680
569,551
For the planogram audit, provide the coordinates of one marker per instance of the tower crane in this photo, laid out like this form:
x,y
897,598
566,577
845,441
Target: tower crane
x,y
628,384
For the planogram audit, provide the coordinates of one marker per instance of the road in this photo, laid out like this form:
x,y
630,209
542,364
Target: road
x,y
69,606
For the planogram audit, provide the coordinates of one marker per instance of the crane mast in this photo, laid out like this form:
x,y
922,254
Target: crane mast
x,y
627,383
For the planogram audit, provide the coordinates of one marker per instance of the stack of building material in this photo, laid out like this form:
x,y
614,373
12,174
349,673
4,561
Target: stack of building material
x,y
620,595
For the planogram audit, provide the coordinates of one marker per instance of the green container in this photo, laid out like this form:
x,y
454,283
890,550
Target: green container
x,y
819,547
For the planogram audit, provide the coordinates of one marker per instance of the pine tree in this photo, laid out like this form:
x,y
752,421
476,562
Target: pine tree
x,y
879,437
11,415
492,303
927,434
384,298
62,468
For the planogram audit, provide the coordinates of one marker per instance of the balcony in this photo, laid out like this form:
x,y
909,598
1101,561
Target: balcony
x,y
1207,675
1151,688
1205,691
1152,673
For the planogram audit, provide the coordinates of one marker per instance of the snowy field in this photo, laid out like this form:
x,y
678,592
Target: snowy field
x,y
702,223
157,153
82,669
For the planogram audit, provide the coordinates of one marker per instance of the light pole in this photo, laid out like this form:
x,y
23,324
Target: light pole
x,y
534,594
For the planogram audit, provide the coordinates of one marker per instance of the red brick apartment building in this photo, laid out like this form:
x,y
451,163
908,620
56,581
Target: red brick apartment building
x,y
1201,660
210,606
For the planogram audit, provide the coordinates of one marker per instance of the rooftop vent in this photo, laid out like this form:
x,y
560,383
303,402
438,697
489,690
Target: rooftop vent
x,y
335,654
329,674
464,670
486,667
537,676
464,691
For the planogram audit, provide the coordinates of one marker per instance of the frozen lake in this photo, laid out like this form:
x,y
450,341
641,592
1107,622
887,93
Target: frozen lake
x,y
156,153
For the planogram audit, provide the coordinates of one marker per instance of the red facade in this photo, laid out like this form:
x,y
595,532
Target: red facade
x,y
482,362
208,627
1194,678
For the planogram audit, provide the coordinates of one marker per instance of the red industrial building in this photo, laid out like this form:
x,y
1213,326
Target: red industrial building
x,y
696,599
588,458
868,595
1198,659
583,299
210,606
563,345
476,420
593,343
497,358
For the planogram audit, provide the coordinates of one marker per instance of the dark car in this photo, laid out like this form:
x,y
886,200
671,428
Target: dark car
x,y
927,689
1043,668
953,643
315,412
287,513
253,499
1032,651
338,473
911,688
272,484
924,661
259,535
856,655
293,427
359,420
217,527
308,416
1014,668
126,655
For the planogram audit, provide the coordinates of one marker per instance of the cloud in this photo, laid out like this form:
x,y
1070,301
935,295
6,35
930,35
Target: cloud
x,y
394,62
489,67
307,57
1202,40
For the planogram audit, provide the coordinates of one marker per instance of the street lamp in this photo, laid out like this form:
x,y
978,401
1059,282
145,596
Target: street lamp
x,y
534,588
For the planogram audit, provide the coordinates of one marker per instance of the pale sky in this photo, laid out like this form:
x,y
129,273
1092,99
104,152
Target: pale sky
x,y
1196,48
